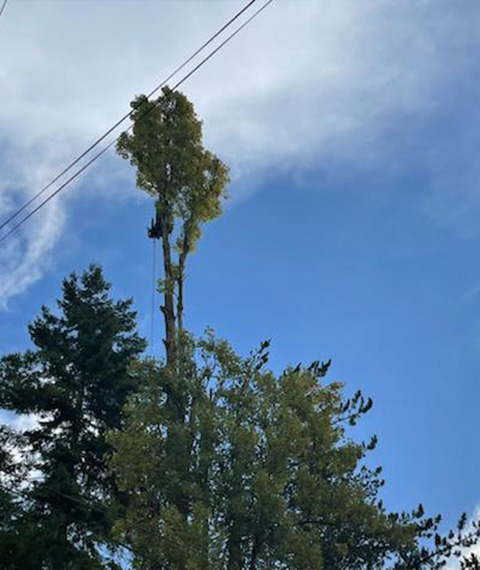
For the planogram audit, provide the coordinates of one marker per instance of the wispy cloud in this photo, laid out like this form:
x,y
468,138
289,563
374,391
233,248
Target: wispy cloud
x,y
307,84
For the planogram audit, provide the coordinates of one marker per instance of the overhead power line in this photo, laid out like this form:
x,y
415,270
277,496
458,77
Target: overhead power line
x,y
159,100
122,119
3,7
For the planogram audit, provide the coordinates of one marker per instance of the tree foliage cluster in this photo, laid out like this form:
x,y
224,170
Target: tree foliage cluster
x,y
203,460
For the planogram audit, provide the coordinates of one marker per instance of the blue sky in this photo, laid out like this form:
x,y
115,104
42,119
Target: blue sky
x,y
352,228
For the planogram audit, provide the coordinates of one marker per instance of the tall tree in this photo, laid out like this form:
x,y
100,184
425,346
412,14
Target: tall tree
x,y
76,381
226,465
187,183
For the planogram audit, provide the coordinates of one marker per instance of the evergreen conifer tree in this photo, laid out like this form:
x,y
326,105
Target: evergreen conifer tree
x,y
76,381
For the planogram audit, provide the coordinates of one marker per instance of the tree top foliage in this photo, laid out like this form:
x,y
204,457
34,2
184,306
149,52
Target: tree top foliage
x,y
166,148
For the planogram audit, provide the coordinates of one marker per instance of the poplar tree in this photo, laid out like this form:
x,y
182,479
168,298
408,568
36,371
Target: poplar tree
x,y
226,465
187,183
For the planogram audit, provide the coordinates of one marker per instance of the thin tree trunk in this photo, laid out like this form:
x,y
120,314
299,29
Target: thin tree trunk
x,y
180,281
168,308
180,303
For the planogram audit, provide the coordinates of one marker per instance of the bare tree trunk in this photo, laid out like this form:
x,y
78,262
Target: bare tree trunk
x,y
180,281
168,307
180,303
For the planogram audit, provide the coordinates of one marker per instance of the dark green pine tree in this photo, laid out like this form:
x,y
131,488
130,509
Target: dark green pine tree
x,y
76,380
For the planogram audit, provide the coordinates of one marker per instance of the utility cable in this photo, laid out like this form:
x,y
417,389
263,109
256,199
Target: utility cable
x,y
159,100
3,7
125,117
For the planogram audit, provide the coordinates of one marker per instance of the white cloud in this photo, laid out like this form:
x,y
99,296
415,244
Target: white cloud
x,y
307,83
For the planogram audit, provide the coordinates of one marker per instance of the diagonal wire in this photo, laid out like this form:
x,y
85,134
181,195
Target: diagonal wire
x,y
3,7
124,118
159,100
